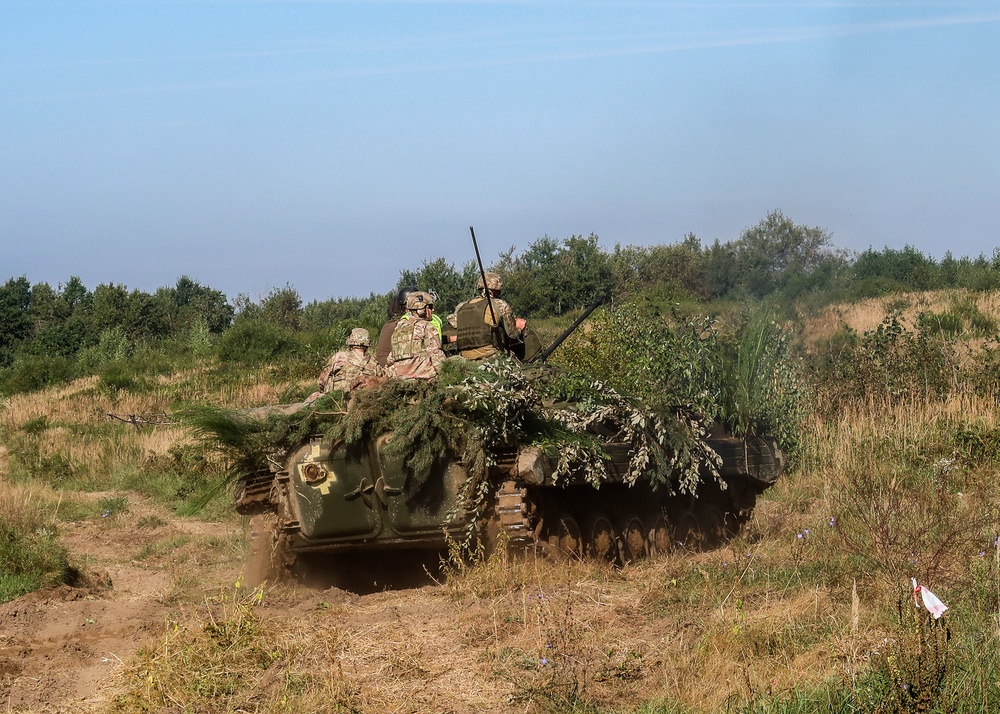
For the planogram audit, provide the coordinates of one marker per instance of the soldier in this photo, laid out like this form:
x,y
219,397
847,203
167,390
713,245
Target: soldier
x,y
435,318
416,348
349,369
396,312
486,326
445,330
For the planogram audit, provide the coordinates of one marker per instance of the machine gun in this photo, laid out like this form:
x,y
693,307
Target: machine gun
x,y
528,348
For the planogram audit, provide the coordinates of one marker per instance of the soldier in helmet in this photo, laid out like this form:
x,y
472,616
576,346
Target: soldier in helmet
x,y
486,326
435,318
444,329
349,369
396,311
416,348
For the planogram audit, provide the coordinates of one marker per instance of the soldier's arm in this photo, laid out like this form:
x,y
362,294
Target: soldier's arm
x,y
432,345
326,371
506,315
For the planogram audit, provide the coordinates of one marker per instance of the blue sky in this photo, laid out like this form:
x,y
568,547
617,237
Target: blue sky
x,y
329,145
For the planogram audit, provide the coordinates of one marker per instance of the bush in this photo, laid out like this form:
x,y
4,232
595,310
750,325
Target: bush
x,y
199,338
119,377
256,341
893,363
946,324
31,374
759,384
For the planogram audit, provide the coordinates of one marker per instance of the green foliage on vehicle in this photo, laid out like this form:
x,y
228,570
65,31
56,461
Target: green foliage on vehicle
x,y
467,413
745,378
760,386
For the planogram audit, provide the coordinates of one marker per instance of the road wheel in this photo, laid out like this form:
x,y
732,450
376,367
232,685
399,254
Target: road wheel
x,y
633,538
687,533
564,535
713,527
599,538
657,534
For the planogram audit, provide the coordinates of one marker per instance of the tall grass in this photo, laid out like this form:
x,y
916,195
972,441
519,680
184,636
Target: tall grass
x,y
30,554
806,610
759,388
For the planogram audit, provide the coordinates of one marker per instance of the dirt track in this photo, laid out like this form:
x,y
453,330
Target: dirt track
x,y
61,648
417,649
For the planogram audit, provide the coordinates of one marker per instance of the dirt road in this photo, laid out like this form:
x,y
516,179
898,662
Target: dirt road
x,y
61,648
488,644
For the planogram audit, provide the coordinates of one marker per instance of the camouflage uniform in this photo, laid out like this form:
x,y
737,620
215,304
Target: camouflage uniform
x,y
346,367
416,348
396,312
477,325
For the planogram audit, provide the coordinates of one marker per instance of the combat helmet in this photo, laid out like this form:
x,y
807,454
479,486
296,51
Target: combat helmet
x,y
493,282
417,300
397,305
359,337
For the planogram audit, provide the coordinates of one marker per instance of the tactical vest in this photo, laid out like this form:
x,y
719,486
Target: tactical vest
x,y
354,367
402,341
474,329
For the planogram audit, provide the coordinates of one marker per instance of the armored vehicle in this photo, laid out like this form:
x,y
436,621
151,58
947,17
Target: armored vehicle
x,y
325,500
630,499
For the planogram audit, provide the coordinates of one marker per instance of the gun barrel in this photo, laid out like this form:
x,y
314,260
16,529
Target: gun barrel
x,y
482,274
543,355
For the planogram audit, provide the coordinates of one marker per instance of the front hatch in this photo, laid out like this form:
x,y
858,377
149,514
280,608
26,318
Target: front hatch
x,y
420,505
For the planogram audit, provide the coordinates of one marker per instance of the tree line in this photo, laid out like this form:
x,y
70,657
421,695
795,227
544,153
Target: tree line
x,y
48,332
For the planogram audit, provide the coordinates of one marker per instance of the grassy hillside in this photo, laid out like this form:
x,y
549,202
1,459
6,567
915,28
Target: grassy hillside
x,y
808,609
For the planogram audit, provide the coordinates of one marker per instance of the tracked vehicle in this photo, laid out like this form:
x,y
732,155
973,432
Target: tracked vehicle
x,y
324,500
329,497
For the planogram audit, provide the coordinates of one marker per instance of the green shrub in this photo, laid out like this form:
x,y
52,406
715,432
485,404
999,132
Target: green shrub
x,y
31,374
199,338
111,506
946,324
113,345
255,341
120,378
759,386
893,363
982,325
36,425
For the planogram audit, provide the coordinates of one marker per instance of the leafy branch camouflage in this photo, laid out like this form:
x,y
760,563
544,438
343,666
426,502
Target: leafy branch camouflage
x,y
471,411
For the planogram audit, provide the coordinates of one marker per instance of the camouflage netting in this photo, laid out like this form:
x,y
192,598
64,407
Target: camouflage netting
x,y
467,412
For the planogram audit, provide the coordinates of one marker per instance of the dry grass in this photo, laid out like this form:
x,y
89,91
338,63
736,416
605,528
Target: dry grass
x,y
835,444
786,605
26,507
76,434
867,314
78,402
557,636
